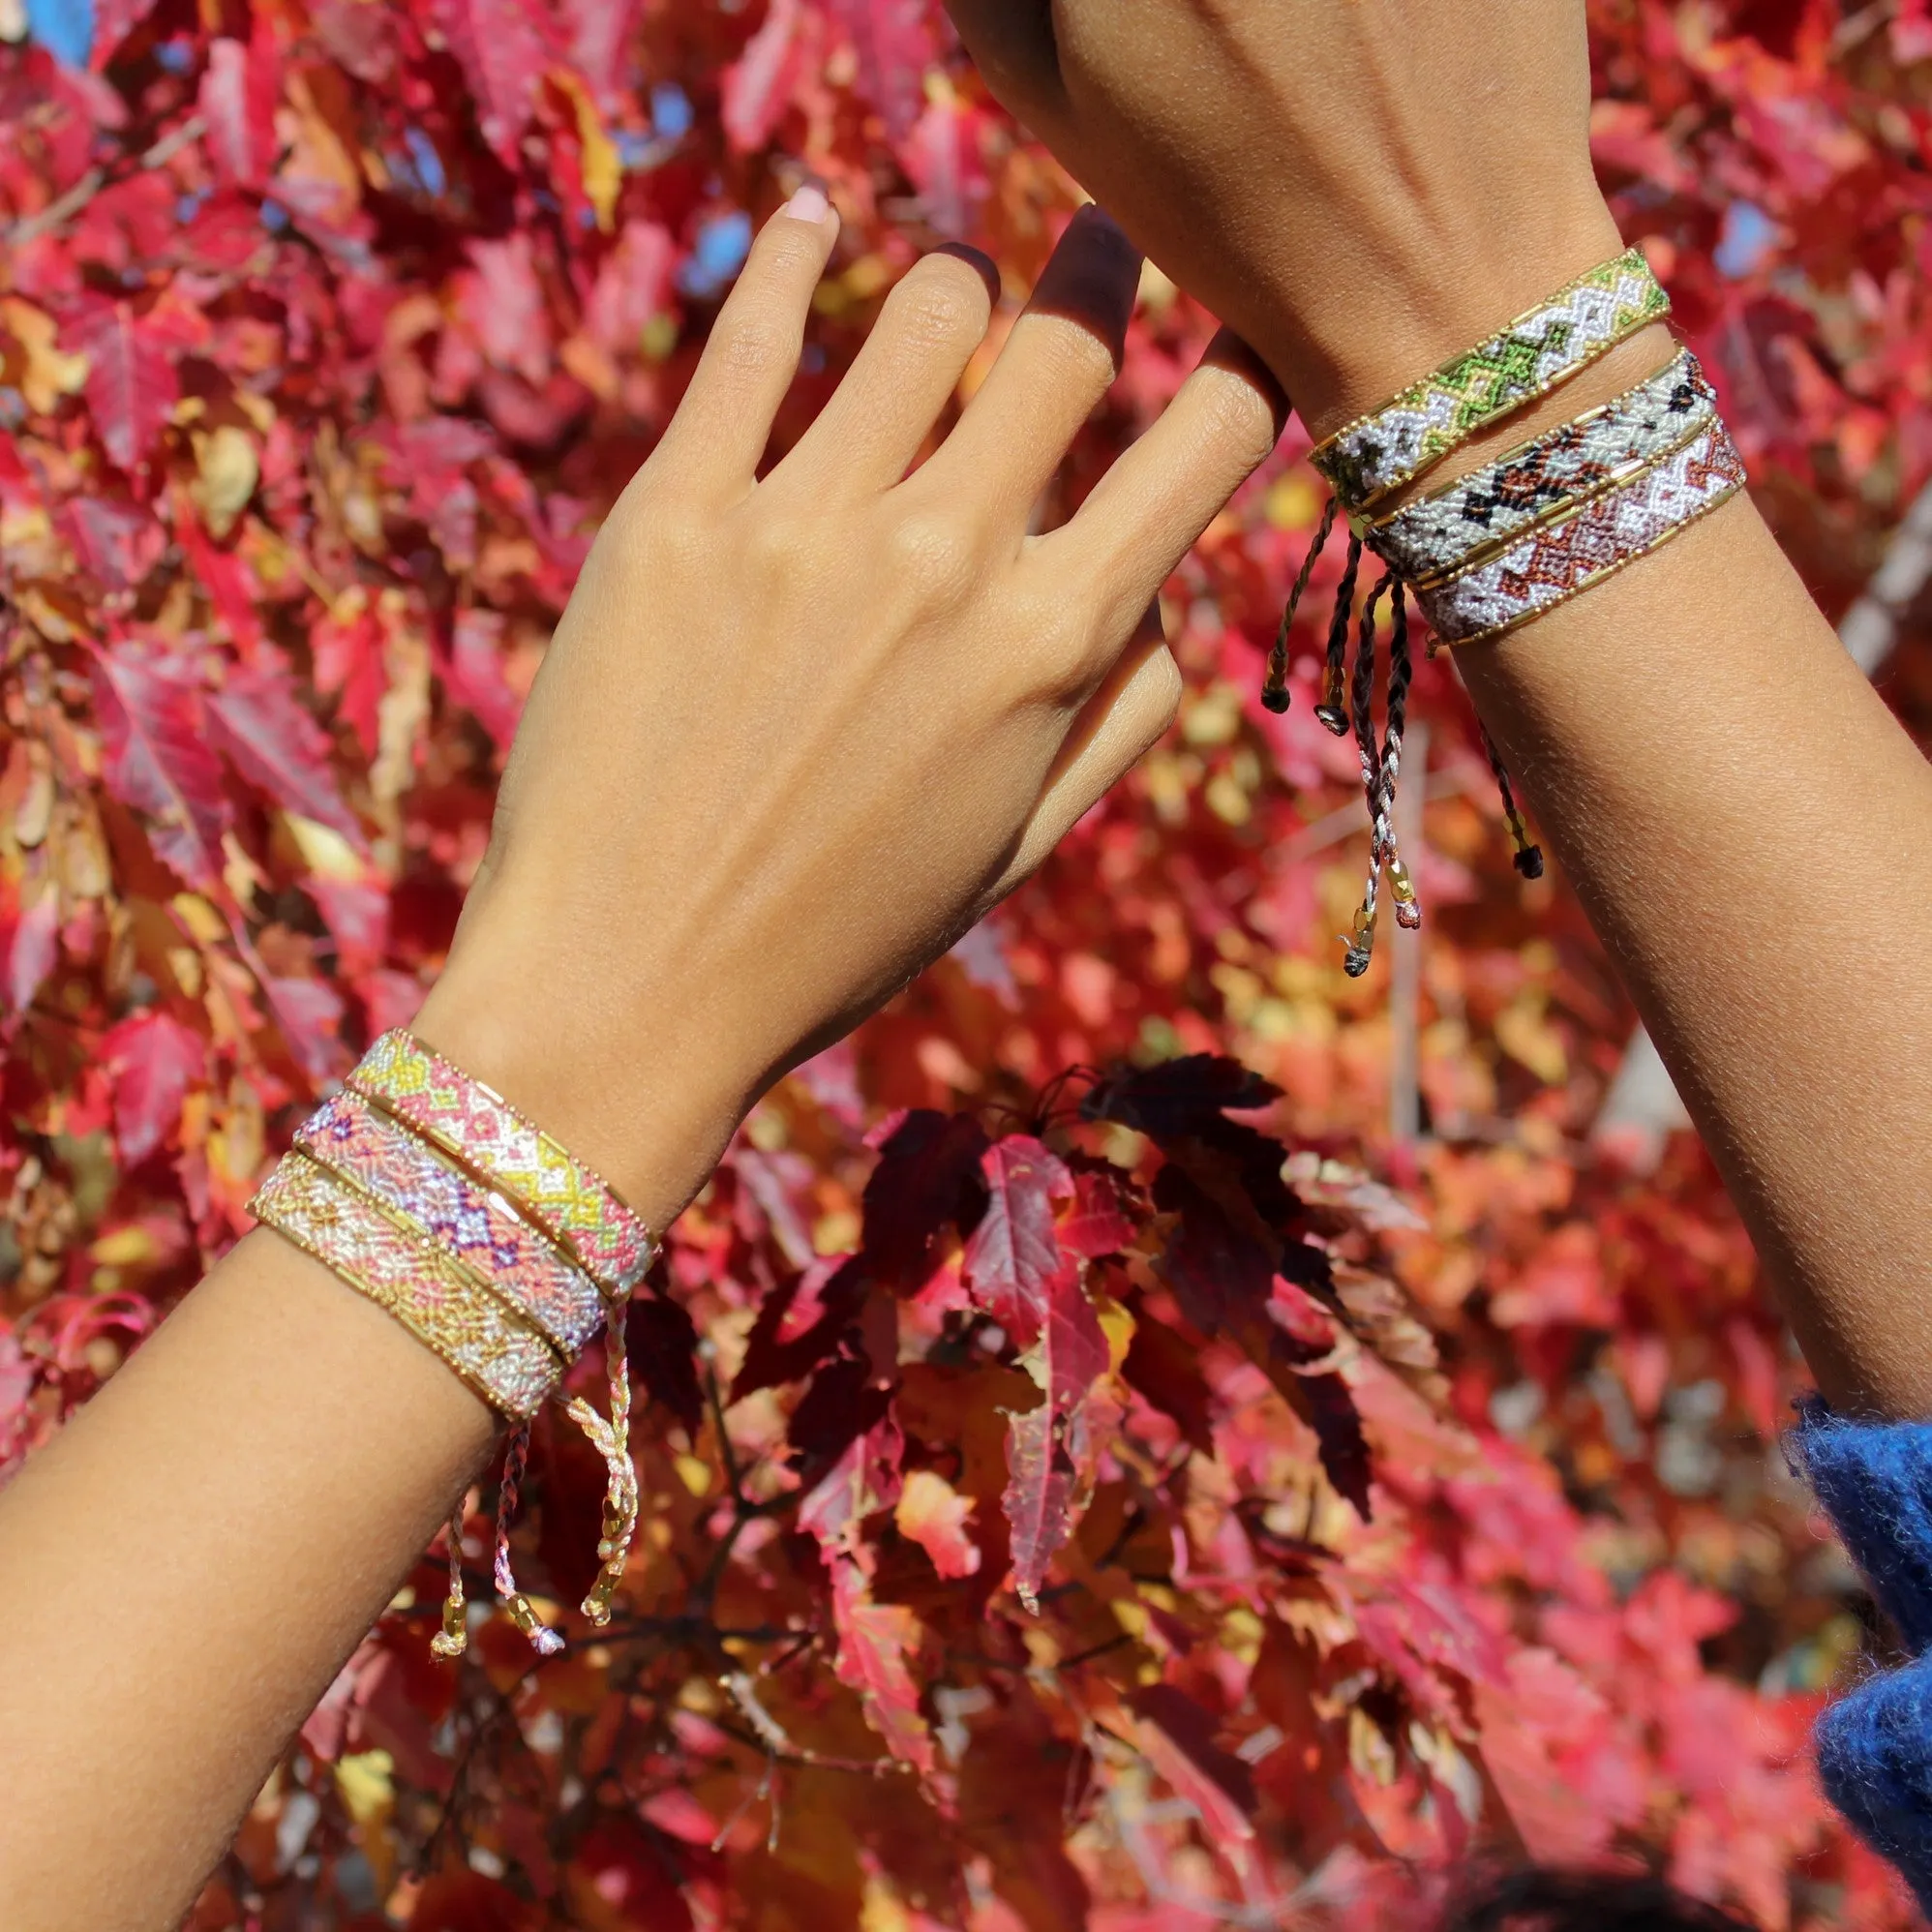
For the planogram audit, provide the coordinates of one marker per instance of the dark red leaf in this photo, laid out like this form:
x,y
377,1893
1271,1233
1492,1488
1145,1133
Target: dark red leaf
x,y
927,1180
663,1347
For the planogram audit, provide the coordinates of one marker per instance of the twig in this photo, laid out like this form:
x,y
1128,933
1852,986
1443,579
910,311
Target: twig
x,y
90,184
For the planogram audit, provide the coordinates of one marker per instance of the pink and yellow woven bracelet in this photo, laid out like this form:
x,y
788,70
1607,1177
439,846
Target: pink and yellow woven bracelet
x,y
428,1192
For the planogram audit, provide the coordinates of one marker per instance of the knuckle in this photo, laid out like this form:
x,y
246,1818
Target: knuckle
x,y
939,302
751,345
1236,422
933,553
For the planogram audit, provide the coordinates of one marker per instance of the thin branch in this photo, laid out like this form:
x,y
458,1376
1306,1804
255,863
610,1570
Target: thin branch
x,y
64,207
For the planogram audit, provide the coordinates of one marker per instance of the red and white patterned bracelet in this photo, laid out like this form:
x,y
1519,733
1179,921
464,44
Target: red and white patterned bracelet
x,y
1561,560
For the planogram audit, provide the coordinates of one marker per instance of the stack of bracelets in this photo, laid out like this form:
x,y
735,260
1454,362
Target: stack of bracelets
x,y
1503,545
428,1192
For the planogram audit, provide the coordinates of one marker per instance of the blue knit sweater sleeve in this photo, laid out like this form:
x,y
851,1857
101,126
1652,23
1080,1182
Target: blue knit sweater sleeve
x,y
1874,1480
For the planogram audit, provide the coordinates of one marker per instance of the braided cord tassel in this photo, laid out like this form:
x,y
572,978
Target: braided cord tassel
x,y
1334,687
544,1641
611,1441
1401,668
1361,944
1528,859
453,1639
1275,690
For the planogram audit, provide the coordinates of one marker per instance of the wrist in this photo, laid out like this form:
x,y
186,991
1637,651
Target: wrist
x,y
1408,300
650,1112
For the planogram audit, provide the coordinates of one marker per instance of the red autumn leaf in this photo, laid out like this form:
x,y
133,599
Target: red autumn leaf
x,y
33,944
875,1641
131,384
504,47
895,42
239,91
152,1060
1013,1261
114,21
756,89
156,758
261,724
474,675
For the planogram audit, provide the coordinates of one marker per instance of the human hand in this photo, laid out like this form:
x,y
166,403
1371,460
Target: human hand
x,y
1360,187
795,734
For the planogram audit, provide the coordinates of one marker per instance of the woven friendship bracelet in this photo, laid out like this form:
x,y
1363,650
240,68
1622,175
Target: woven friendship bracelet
x,y
509,1365
1544,346
1480,514
481,1131
385,1160
1556,563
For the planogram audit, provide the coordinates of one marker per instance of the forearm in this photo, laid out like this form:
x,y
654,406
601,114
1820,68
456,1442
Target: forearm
x,y
255,1486
1751,833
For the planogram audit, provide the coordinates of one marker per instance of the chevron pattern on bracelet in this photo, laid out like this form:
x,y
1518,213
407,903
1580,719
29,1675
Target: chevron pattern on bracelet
x,y
1437,536
1558,562
476,1126
347,1135
1544,346
509,1366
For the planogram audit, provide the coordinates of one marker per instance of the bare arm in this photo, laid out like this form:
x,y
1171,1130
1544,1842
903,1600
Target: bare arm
x,y
793,734
1366,187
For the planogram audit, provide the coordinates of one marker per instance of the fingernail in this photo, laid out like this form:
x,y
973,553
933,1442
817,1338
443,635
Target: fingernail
x,y
808,204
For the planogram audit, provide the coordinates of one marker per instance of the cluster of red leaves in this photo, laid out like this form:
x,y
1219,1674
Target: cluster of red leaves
x,y
1075,1497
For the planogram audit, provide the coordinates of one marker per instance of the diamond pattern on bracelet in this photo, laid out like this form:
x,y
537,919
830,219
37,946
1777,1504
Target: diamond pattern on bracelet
x,y
376,1154
1563,559
1544,346
509,1366
477,1128
1456,527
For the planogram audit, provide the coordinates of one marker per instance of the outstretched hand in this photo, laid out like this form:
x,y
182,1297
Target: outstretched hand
x,y
796,732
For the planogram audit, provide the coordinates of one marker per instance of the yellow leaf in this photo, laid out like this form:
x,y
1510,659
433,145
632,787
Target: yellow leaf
x,y
364,1780
48,375
324,851
1117,1325
126,1247
1292,502
695,1473
603,170
228,474
1526,1035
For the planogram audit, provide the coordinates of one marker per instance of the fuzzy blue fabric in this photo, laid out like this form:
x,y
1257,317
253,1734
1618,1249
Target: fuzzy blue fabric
x,y
1874,1481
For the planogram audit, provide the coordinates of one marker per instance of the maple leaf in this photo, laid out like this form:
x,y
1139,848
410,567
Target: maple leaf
x,y
756,89
663,1345
152,1060
504,47
131,384
239,91
935,1516
895,42
875,1643
258,719
158,759
1015,1268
